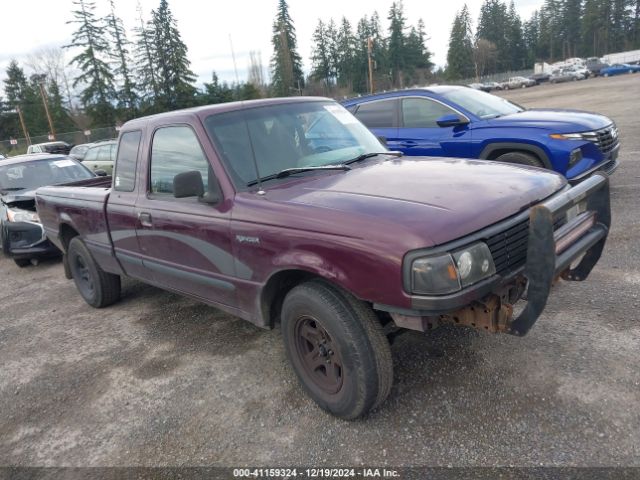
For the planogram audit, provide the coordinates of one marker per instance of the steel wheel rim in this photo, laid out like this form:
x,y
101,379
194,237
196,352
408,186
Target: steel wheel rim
x,y
84,275
319,355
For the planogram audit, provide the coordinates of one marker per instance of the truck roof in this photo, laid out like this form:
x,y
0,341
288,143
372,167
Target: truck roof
x,y
223,107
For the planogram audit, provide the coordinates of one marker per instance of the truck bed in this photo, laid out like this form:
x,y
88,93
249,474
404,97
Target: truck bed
x,y
78,208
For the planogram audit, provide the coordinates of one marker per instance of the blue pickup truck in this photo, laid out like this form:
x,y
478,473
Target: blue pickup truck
x,y
451,121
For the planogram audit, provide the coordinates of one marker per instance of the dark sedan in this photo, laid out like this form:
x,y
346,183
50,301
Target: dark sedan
x,y
21,234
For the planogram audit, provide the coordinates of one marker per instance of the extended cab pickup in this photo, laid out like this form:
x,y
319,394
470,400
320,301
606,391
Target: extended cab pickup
x,y
290,211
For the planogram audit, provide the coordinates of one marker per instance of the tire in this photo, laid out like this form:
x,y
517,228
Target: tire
x,y
22,262
520,158
97,287
335,344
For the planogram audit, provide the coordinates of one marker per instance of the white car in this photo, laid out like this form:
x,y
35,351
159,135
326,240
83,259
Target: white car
x,y
518,82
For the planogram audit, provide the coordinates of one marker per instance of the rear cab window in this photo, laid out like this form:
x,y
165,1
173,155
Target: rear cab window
x,y
126,162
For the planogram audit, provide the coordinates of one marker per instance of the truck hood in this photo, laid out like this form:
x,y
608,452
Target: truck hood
x,y
558,121
428,200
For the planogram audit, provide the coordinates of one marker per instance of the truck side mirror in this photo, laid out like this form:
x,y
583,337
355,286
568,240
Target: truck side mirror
x,y
100,173
188,184
451,120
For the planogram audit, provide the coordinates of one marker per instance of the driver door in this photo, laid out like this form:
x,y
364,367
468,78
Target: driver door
x,y
185,243
419,134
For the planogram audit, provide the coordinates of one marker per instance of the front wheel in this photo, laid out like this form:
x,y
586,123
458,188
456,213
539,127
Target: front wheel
x,y
97,287
520,158
337,349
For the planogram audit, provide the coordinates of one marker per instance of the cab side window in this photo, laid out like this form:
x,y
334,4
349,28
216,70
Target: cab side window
x,y
175,150
422,113
127,161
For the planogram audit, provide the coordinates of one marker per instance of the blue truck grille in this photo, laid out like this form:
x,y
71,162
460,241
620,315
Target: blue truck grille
x,y
509,248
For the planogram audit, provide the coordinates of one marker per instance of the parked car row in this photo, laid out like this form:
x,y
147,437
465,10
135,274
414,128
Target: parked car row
x,y
291,211
563,73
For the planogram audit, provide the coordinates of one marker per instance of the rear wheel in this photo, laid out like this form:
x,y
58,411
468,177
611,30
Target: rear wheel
x,y
22,262
520,158
97,287
337,349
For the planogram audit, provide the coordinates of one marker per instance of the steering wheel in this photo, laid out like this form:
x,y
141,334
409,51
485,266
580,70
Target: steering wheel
x,y
322,149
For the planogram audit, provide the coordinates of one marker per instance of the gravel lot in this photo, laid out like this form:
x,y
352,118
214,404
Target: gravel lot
x,y
161,380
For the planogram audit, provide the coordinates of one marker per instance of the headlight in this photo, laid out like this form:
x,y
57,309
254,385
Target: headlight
x,y
19,215
588,136
450,272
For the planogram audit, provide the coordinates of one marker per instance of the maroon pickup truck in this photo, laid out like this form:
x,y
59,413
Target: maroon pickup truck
x,y
290,212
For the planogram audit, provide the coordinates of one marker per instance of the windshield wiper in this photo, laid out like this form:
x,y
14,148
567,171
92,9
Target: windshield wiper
x,y
364,156
12,189
290,171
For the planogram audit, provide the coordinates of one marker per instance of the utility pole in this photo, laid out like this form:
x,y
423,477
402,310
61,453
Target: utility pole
x,y
24,127
369,54
46,109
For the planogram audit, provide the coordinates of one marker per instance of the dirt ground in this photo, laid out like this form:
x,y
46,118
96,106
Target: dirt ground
x,y
161,380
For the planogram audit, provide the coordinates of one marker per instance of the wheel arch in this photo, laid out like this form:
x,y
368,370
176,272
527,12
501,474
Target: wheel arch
x,y
66,234
282,282
494,150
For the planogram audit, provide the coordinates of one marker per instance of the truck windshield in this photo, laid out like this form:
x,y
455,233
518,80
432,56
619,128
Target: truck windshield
x,y
285,136
33,174
481,104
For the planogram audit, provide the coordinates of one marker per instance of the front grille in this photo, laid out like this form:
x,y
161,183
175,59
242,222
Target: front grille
x,y
606,139
509,248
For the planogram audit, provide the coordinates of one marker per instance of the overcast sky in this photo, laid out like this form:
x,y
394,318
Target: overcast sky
x,y
206,26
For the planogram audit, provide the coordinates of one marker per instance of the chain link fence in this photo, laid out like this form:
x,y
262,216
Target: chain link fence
x,y
18,146
496,77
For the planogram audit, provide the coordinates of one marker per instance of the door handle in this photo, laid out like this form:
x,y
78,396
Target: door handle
x,y
409,143
145,219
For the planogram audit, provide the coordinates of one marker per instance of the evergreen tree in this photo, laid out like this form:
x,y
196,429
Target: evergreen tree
x,y
361,56
571,31
515,39
144,54
531,33
175,79
286,63
493,25
57,109
321,62
396,45
95,75
620,25
460,54
592,29
126,95
345,46
216,92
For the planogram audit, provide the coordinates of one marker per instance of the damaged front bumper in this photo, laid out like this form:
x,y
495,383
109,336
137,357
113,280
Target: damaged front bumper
x,y
25,240
569,251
